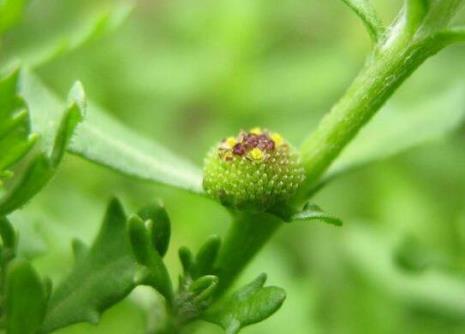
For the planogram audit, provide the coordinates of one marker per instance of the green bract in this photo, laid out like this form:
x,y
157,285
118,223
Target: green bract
x,y
255,170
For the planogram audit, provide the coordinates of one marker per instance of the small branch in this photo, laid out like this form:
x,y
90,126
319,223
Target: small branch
x,y
367,14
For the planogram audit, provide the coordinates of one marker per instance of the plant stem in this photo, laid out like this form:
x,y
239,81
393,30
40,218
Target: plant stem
x,y
246,236
392,61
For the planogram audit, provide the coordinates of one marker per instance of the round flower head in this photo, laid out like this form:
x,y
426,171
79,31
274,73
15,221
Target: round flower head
x,y
254,170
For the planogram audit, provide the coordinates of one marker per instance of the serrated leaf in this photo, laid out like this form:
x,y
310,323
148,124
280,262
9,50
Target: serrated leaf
x,y
251,304
43,166
26,299
11,12
101,276
395,130
312,212
154,272
365,11
160,225
102,139
88,30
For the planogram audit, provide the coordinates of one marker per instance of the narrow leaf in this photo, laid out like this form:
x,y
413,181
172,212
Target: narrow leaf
x,y
206,256
154,272
365,11
102,139
26,299
160,226
88,30
251,304
313,212
105,141
186,258
101,276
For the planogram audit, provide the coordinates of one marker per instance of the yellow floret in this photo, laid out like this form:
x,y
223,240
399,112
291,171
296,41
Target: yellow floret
x,y
256,154
256,131
230,142
277,138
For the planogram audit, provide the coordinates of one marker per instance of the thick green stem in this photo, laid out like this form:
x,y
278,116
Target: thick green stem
x,y
386,69
246,236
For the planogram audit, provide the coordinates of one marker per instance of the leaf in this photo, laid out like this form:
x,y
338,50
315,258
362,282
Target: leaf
x,y
365,11
160,225
26,299
88,30
41,169
101,276
9,241
394,130
154,272
105,141
371,252
15,137
11,12
251,304
313,212
102,139
206,257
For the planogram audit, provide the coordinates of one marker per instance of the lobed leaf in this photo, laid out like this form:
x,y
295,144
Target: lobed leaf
x,y
25,299
394,130
365,11
102,275
251,304
312,212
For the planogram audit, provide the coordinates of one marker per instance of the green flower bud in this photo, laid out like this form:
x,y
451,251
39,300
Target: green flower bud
x,y
255,170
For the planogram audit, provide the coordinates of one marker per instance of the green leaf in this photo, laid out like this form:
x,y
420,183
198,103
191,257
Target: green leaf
x,y
365,11
15,133
101,276
26,299
102,139
312,212
371,252
105,141
160,225
41,169
88,30
153,271
187,259
11,12
206,257
251,304
395,130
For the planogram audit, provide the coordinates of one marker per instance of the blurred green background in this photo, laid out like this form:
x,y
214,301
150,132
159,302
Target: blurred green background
x,y
187,73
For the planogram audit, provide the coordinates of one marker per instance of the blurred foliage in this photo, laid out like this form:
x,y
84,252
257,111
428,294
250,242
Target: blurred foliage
x,y
186,74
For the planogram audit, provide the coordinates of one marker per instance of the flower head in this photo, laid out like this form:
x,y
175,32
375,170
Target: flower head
x,y
254,170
